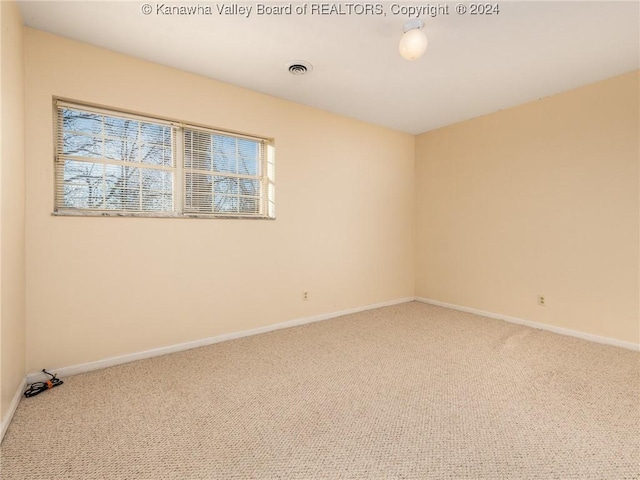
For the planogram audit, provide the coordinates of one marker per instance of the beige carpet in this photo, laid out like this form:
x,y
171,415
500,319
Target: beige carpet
x,y
406,392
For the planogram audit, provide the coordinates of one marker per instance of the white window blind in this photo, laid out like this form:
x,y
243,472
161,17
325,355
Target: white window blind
x,y
223,173
115,163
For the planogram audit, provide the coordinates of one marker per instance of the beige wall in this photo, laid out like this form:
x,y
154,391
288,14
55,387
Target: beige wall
x,y
99,287
538,199
12,208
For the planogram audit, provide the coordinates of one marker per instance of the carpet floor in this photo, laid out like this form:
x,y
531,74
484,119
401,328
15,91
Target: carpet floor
x,y
411,391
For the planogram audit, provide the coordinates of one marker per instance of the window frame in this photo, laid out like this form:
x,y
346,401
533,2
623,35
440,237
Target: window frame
x,y
266,165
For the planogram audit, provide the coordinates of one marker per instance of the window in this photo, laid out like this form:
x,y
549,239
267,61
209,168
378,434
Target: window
x,y
221,173
112,163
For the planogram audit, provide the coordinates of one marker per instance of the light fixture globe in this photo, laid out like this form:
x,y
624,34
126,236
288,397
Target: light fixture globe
x,y
414,42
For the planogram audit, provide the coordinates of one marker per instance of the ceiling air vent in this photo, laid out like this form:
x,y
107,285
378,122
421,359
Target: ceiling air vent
x,y
299,67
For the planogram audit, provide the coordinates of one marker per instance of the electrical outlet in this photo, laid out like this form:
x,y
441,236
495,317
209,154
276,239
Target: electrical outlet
x,y
541,301
305,296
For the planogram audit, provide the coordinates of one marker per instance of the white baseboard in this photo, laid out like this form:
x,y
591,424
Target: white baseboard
x,y
155,352
6,420
540,326
111,361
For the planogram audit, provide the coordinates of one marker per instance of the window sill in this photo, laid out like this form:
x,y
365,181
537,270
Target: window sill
x,y
156,215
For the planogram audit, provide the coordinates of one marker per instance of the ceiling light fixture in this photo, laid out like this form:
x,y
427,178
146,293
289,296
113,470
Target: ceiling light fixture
x,y
414,41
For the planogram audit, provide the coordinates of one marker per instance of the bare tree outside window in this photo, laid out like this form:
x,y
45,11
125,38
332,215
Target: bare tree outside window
x,y
113,163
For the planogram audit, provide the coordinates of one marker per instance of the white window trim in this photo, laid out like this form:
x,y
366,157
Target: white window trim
x,y
267,178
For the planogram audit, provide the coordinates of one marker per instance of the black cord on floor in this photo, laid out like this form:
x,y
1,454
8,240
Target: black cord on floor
x,y
39,387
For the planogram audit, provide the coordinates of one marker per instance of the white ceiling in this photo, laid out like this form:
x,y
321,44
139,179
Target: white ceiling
x,y
474,65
